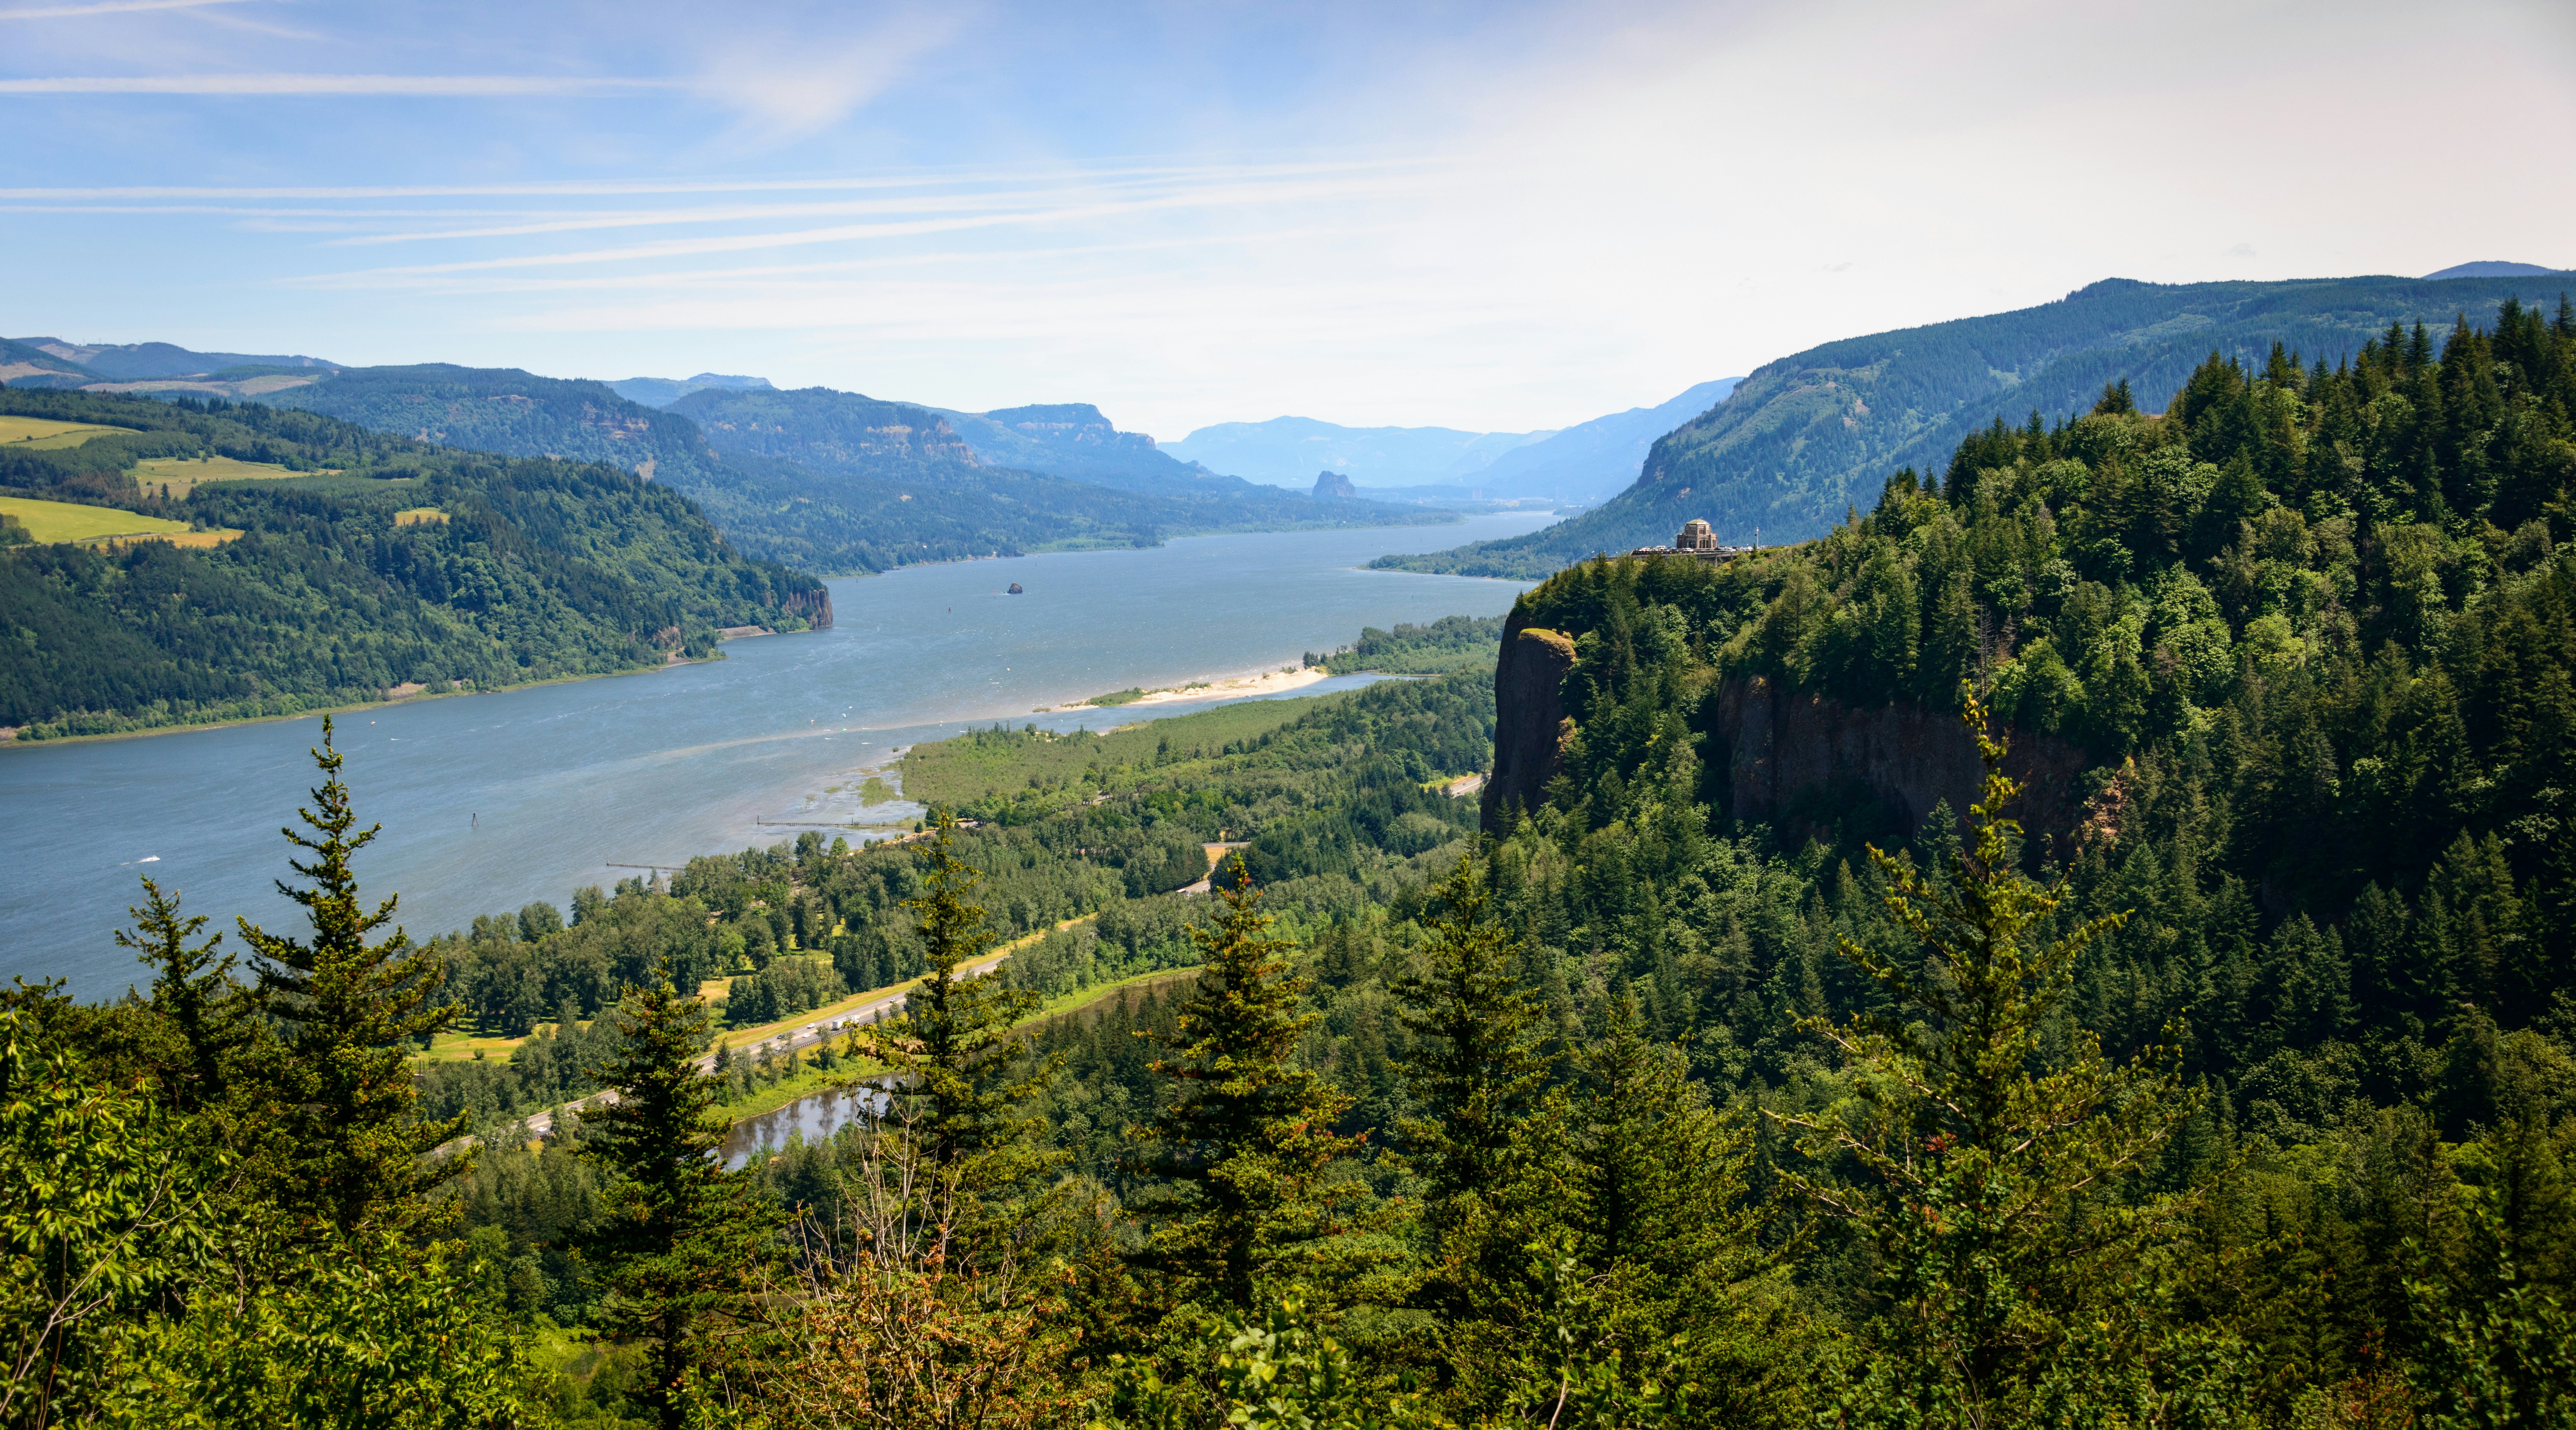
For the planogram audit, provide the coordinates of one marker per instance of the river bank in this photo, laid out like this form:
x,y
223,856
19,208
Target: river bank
x,y
9,734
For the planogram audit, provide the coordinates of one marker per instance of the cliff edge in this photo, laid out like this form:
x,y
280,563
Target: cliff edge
x,y
1530,727
1787,755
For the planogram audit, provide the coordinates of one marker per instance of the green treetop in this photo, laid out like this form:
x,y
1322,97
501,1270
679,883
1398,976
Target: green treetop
x,y
351,1011
1476,1066
1246,1134
680,1237
193,990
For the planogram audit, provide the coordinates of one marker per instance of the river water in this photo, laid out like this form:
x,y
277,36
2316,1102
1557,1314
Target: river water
x,y
490,801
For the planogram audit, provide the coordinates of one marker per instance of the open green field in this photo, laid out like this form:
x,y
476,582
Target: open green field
x,y
44,433
983,762
183,475
68,521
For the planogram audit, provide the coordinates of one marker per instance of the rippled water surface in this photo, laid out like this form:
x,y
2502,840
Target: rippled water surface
x,y
489,801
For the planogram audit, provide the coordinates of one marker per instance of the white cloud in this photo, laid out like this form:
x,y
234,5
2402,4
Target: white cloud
x,y
791,85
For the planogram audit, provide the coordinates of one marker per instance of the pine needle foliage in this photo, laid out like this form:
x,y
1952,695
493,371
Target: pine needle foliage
x,y
952,1048
350,1010
1476,1065
1990,1141
193,988
681,1238
1247,1133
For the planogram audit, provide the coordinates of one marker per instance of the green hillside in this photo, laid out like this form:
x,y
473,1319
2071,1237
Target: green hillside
x,y
1803,439
542,569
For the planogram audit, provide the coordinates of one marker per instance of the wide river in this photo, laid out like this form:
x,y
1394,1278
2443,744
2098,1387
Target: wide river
x,y
490,801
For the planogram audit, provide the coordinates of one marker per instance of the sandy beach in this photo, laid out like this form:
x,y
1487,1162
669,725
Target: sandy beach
x,y
1233,687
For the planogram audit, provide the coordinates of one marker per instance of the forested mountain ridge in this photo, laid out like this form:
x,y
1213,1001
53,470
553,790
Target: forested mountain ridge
x,y
828,431
506,571
1056,447
2303,602
829,481
512,413
1806,437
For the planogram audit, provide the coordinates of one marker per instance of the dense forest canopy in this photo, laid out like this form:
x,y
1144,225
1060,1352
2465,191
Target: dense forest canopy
x,y
1806,438
540,568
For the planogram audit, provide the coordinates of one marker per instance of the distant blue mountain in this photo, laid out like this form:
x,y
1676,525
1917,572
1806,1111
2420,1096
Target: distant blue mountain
x,y
1595,460
1075,441
2493,268
1588,462
663,391
1289,451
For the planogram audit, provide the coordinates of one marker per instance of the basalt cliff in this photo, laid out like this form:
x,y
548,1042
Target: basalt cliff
x,y
1777,753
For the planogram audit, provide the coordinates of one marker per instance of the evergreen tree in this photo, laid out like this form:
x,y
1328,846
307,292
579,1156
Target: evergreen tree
x,y
1986,1163
351,1012
681,1240
1246,1133
1475,1065
952,1047
193,989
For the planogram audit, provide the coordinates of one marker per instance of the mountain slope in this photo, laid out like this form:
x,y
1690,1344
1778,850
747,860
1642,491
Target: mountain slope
x,y
1804,438
1073,440
337,590
26,365
859,499
142,362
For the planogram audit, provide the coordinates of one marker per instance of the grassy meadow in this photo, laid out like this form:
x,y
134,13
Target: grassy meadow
x,y
987,762
182,475
70,521
46,434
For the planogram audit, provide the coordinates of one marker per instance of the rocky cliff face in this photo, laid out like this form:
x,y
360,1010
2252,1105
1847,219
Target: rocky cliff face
x,y
1785,755
1792,756
1331,485
814,605
1531,728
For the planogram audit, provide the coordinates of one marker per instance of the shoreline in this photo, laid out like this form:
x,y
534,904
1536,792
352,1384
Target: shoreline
x,y
14,743
1222,687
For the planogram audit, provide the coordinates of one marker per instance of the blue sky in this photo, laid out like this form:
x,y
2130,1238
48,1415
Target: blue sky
x,y
1482,216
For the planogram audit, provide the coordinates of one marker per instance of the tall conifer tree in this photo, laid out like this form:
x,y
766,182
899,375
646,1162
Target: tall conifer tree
x,y
680,1237
1982,1174
193,988
351,1011
1475,1066
952,1049
1247,1132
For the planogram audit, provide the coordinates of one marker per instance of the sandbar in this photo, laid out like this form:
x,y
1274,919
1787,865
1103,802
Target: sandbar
x,y
1233,687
